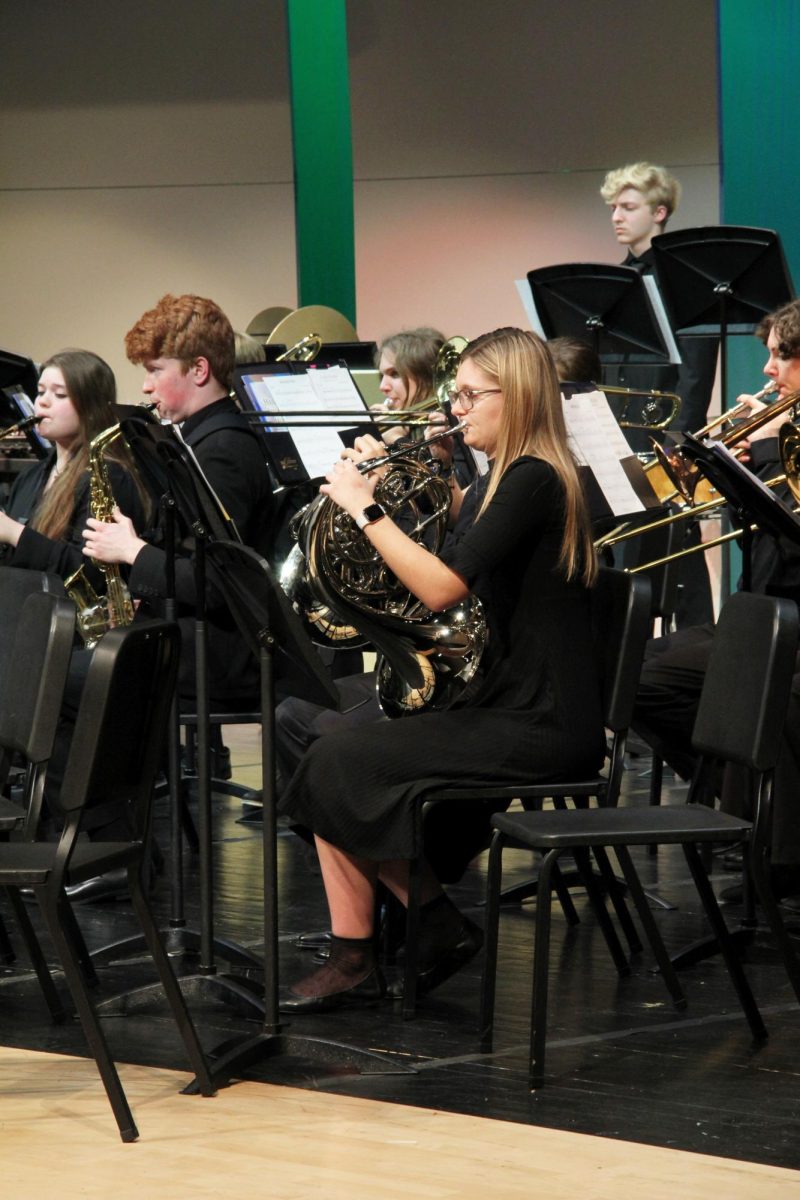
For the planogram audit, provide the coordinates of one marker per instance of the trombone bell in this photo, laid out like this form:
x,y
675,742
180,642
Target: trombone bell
x,y
658,409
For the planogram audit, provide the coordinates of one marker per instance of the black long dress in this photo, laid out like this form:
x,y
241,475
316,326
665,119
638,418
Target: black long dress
x,y
535,715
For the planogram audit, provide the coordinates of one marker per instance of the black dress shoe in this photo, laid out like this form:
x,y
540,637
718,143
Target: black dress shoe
x,y
314,941
369,991
449,960
111,886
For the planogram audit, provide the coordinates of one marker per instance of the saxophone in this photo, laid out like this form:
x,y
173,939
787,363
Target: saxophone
x,y
97,614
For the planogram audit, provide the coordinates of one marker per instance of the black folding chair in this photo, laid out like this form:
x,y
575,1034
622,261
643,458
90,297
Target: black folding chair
x,y
108,782
20,660
740,719
621,622
31,687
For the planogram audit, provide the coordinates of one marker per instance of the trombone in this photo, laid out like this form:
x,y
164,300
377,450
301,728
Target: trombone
x,y
648,409
335,418
789,439
687,476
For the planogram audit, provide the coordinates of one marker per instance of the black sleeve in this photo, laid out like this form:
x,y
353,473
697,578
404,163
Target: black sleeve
x,y
526,505
37,552
235,469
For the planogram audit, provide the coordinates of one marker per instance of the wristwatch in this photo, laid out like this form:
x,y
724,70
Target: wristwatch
x,y
373,512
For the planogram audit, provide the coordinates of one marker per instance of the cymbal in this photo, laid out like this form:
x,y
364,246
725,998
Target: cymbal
x,y
327,323
264,322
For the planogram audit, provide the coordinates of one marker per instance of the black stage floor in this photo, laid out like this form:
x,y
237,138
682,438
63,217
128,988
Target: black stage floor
x,y
622,1063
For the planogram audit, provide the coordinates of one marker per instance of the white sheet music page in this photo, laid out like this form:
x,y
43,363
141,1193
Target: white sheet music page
x,y
336,392
318,447
598,442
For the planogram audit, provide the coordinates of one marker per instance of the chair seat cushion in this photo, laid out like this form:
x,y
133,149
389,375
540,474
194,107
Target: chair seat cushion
x,y
639,826
25,864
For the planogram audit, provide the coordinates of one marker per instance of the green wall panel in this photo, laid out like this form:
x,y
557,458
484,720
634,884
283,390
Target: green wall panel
x,y
323,155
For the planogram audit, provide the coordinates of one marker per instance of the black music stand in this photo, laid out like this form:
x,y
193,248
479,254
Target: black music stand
x,y
607,305
16,371
752,502
720,280
174,478
270,626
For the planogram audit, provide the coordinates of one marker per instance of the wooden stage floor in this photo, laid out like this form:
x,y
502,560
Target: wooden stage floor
x,y
264,1140
623,1065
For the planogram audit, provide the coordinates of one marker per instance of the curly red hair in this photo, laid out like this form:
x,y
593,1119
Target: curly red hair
x,y
184,327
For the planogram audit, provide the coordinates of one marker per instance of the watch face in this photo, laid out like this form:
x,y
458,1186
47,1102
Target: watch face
x,y
374,512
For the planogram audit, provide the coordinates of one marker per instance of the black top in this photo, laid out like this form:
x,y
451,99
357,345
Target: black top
x,y
536,714
230,456
37,552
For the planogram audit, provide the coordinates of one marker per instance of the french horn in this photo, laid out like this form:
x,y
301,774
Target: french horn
x,y
347,595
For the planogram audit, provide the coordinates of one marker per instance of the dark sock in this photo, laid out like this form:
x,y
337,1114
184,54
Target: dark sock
x,y
351,961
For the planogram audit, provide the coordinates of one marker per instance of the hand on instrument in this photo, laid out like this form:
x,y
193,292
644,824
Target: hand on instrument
x,y
348,488
112,542
364,447
442,450
769,429
391,433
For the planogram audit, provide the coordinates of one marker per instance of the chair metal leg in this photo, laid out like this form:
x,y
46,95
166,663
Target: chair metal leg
x,y
411,961
541,966
489,978
759,870
38,961
73,931
88,1019
650,928
616,895
584,865
561,889
717,921
170,984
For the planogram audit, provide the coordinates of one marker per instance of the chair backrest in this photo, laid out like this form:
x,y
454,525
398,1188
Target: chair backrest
x,y
119,730
748,681
16,585
36,670
621,624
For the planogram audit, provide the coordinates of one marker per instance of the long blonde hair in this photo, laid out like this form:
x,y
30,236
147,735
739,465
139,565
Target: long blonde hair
x,y
532,422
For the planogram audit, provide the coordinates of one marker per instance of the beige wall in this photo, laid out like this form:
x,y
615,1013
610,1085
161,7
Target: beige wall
x,y
146,147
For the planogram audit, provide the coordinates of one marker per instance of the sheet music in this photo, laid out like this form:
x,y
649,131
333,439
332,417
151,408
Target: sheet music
x,y
660,314
597,441
318,390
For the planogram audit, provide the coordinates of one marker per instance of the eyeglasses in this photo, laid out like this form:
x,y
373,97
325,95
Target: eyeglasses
x,y
467,397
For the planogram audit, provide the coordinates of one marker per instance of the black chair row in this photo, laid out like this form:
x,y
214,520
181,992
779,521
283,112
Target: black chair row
x,y
740,720
108,783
